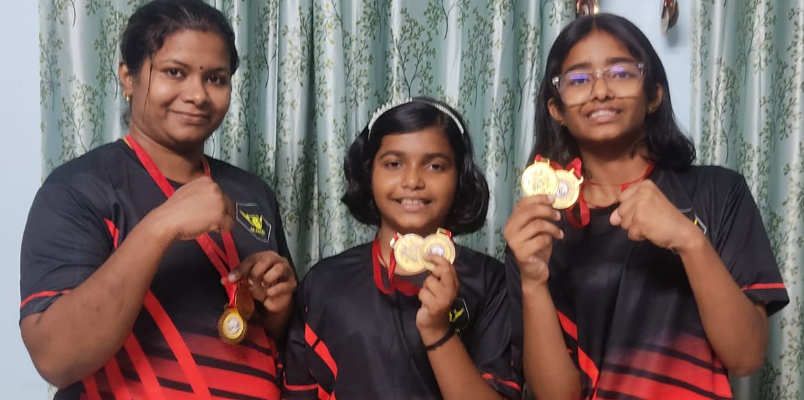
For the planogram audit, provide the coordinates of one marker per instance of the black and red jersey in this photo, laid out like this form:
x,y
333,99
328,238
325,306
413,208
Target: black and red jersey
x,y
83,211
352,341
629,317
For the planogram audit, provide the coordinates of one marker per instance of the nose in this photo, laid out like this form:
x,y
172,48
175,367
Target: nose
x,y
412,179
600,89
195,91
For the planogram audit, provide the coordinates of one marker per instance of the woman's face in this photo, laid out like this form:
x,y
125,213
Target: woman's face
x,y
609,105
181,94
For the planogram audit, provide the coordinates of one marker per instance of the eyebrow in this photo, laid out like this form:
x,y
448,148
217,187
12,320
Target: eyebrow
x,y
427,156
187,66
609,61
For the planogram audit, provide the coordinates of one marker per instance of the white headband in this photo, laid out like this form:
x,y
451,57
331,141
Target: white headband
x,y
396,103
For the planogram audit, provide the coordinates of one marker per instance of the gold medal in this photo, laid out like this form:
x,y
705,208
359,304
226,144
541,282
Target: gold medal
x,y
244,302
231,326
439,244
539,178
406,253
569,187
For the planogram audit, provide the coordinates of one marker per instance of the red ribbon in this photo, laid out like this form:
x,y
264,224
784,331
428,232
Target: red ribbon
x,y
219,258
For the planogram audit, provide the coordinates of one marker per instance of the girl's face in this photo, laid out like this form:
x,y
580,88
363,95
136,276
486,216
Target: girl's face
x,y
181,95
615,107
414,180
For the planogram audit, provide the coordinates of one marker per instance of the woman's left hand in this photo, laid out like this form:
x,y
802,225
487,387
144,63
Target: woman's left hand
x,y
270,280
645,213
437,295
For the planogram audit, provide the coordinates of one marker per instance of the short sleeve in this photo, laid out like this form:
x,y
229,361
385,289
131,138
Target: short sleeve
x,y
299,383
491,348
66,239
741,241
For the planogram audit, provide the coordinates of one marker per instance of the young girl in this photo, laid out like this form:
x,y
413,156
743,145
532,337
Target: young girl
x,y
120,276
660,280
369,331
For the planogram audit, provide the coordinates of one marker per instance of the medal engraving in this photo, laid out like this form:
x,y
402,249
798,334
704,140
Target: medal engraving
x,y
231,326
539,178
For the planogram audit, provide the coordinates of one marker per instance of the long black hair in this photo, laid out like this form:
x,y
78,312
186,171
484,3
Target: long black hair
x,y
471,200
667,145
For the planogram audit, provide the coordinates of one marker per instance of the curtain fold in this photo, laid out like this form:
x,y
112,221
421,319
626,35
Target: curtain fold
x,y
747,107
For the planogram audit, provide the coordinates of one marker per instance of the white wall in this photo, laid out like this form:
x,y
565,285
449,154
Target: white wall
x,y
21,169
674,49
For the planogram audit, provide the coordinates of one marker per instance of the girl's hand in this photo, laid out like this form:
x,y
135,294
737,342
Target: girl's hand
x,y
645,213
270,280
437,295
530,231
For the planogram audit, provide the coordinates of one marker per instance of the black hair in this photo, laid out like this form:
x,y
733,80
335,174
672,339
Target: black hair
x,y
471,201
153,22
667,145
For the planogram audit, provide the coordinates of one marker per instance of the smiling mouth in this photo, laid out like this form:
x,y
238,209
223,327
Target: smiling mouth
x,y
602,114
412,204
192,118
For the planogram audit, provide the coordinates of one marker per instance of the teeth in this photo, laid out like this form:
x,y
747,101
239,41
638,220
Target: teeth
x,y
411,202
601,113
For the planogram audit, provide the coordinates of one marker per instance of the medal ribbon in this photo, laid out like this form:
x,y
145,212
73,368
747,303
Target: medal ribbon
x,y
219,258
406,288
583,206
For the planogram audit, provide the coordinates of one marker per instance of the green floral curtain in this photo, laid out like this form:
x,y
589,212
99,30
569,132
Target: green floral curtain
x,y
312,73
747,108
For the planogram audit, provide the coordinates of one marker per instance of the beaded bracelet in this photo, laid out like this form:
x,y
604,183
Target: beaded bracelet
x,y
447,336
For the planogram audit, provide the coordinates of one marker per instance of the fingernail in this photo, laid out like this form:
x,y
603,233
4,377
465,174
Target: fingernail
x,y
557,216
232,277
561,234
551,198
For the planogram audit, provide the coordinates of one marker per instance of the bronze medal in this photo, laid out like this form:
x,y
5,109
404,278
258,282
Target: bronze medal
x,y
569,187
231,326
244,302
539,178
439,244
406,253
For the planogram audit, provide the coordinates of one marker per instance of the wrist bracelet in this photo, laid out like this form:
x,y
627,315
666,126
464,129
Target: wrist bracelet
x,y
447,336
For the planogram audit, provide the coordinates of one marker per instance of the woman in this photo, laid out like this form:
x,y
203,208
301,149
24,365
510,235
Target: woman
x,y
662,276
136,288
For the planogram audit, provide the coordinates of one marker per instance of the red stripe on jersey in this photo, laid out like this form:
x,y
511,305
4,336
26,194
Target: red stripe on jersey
x,y
113,231
49,293
568,325
680,370
645,388
213,347
300,388
218,378
144,369
511,384
91,388
584,361
762,286
177,394
177,345
321,349
116,380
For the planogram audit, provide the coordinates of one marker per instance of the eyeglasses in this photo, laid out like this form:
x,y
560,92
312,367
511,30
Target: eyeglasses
x,y
622,79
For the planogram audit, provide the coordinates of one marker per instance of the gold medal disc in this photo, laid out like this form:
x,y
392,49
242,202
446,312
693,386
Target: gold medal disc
x,y
539,178
244,302
231,326
569,187
440,245
406,253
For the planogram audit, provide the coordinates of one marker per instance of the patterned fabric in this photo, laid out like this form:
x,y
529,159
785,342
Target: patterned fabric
x,y
312,72
747,108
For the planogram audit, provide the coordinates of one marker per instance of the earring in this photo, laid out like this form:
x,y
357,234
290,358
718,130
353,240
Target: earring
x,y
128,99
